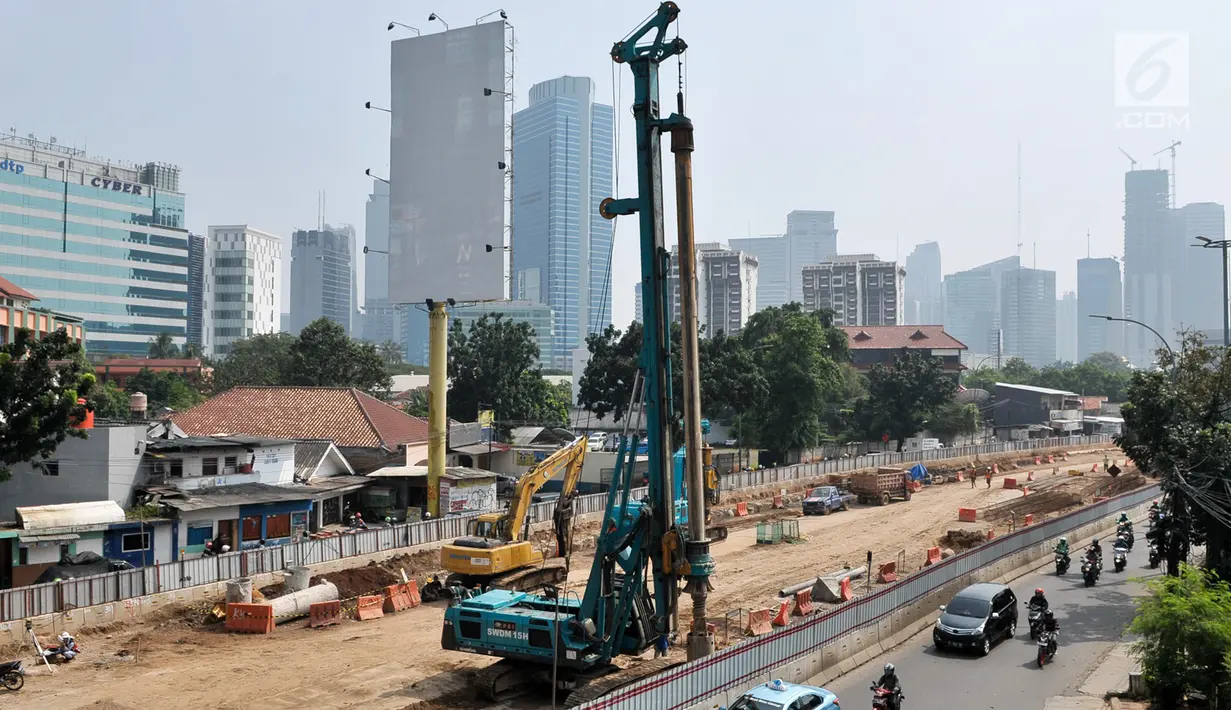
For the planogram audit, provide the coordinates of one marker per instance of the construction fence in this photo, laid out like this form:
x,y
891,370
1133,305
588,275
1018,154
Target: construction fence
x,y
56,597
738,667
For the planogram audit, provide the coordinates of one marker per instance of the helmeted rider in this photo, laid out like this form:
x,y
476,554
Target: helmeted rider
x,y
1038,601
889,681
1062,547
1155,509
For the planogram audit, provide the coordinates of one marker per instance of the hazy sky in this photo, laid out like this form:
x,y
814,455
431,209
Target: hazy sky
x,y
902,117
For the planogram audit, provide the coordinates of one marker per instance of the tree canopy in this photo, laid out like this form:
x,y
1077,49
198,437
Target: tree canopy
x,y
494,365
162,346
163,389
1100,374
322,355
903,397
40,383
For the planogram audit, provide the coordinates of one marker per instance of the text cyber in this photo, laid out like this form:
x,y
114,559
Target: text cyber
x,y
116,185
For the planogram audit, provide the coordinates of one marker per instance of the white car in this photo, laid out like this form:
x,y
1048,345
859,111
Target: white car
x,y
597,441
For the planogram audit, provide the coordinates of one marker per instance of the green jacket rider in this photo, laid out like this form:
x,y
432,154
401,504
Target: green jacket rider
x,y
1063,546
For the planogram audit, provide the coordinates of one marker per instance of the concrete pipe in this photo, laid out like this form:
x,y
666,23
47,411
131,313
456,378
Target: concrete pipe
x,y
789,591
296,578
297,604
239,591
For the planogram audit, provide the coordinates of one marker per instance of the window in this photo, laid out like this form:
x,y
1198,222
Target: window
x,y
51,468
277,526
229,464
135,542
209,466
200,533
177,468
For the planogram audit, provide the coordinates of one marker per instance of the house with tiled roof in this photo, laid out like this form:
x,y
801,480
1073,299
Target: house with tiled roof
x,y
368,432
17,311
880,344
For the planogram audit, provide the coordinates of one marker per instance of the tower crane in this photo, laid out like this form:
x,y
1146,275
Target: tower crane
x,y
1132,162
1171,148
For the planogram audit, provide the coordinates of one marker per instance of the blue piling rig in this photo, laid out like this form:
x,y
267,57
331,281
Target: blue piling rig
x,y
559,638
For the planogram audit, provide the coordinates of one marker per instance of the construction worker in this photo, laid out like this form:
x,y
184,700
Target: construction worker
x,y
973,478
988,477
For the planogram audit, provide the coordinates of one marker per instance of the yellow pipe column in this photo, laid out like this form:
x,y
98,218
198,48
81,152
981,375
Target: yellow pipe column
x,y
438,375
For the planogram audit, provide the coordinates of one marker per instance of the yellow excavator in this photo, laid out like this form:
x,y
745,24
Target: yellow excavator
x,y
495,552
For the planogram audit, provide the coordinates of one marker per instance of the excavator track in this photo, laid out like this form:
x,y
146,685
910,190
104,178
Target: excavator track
x,y
603,685
503,680
551,571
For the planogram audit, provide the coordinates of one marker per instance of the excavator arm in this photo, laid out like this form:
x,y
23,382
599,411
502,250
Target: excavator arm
x,y
562,517
568,459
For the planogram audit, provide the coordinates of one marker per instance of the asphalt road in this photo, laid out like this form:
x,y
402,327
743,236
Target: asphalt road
x,y
1091,620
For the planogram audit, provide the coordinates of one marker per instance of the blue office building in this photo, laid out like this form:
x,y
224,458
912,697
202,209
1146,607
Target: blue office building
x,y
101,240
563,145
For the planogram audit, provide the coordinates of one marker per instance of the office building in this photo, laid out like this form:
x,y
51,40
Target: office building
x,y
860,289
1066,327
811,238
924,296
638,303
347,232
972,305
1150,252
97,239
1028,315
242,286
320,278
1099,293
196,292
726,288
380,320
1202,289
538,315
562,245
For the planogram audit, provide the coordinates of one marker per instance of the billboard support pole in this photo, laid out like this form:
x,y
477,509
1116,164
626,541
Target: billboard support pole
x,y
438,349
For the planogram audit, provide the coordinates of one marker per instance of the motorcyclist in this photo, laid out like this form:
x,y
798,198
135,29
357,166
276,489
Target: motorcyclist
x,y
1062,547
1051,626
889,681
1038,601
1155,509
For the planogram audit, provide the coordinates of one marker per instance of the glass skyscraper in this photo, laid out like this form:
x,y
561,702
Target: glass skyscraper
x,y
563,147
101,240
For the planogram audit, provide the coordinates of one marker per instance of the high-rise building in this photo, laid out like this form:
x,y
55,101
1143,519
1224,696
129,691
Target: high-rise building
x,y
811,238
101,240
196,292
242,286
380,321
1066,327
859,288
1028,315
1200,304
638,316
1150,251
320,278
537,315
563,152
925,303
972,305
1099,293
726,288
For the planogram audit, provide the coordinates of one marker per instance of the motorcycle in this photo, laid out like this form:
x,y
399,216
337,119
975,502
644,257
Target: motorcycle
x,y
1119,557
1156,555
1089,572
882,699
1035,619
1125,535
12,675
1046,647
1062,563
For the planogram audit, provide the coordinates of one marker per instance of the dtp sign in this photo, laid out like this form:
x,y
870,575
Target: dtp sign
x,y
12,166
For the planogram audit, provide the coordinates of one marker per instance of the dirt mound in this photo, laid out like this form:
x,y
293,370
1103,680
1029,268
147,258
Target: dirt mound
x,y
962,539
360,580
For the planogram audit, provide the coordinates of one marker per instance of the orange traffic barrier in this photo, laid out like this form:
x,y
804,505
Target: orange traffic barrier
x,y
888,573
991,533
370,607
1051,459
741,509
967,515
845,590
1036,461
916,486
1025,490
1094,468
1030,475
324,614
758,622
803,603
250,618
781,618
778,501
412,593
1029,519
1010,482
395,598
959,477
933,556
995,468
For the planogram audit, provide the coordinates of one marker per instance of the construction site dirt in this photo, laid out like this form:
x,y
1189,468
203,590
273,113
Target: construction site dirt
x,y
181,657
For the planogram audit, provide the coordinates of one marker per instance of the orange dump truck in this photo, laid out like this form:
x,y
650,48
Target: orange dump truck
x,y
881,486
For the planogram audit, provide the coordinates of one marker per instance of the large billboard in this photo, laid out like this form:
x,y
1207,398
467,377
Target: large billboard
x,y
445,145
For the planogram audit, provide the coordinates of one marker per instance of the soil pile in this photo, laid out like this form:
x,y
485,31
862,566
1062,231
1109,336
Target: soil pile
x,y
962,539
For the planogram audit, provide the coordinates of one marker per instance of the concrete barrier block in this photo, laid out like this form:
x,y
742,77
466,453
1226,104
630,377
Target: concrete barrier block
x,y
831,653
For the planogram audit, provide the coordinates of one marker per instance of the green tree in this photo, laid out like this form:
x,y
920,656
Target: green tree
x,y
391,352
1184,626
796,357
903,396
164,389
417,406
162,346
325,356
606,385
953,419
495,365
109,401
260,360
731,380
40,383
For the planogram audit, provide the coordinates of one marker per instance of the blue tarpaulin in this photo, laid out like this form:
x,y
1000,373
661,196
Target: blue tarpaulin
x,y
918,472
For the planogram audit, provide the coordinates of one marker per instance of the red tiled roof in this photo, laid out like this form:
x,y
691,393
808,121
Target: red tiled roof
x,y
12,290
896,337
347,417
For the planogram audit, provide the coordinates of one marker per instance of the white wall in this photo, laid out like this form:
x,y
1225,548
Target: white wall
x,y
273,465
94,544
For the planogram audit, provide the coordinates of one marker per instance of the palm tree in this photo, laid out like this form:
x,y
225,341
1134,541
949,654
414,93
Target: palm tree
x,y
391,352
163,347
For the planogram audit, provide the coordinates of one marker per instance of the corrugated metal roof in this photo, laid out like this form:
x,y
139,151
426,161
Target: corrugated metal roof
x,y
227,496
479,449
69,515
309,455
201,442
62,537
1037,390
455,473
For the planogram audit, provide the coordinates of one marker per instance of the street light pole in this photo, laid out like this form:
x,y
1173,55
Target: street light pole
x,y
1221,245
1161,339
